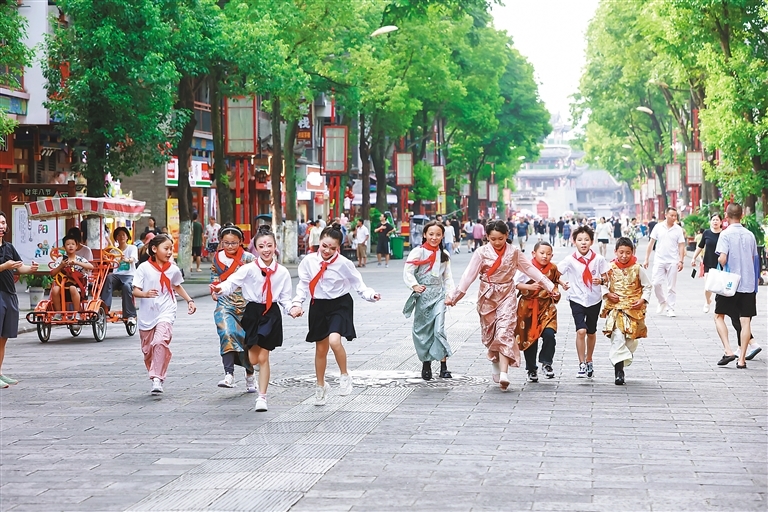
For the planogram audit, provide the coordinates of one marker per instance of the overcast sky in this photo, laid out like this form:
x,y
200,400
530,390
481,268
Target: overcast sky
x,y
550,33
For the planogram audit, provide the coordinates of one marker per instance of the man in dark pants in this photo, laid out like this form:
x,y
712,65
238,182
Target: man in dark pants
x,y
197,241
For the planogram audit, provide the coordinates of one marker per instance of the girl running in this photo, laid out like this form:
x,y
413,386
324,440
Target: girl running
x,y
264,283
496,264
156,283
326,277
230,308
428,273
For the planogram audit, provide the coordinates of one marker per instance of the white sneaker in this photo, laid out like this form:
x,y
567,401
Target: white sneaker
x,y
345,385
671,312
228,381
495,372
157,386
582,371
503,381
250,384
261,404
660,308
321,392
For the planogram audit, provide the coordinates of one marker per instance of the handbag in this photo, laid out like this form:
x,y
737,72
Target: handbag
x,y
722,282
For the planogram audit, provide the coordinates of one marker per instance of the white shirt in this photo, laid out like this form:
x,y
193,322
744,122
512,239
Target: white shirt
x,y
439,269
667,240
573,270
85,252
603,231
156,309
339,278
739,244
78,259
250,279
212,233
450,234
130,253
361,235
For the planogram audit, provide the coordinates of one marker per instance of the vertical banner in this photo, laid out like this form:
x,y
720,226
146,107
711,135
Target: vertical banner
x,y
304,133
482,190
693,173
673,177
172,221
493,192
404,169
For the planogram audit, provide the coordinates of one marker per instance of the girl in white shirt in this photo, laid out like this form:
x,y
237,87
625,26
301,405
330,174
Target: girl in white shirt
x,y
123,274
263,283
327,277
156,282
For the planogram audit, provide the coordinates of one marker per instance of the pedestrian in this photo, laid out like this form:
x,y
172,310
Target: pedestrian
x,y
510,229
212,237
584,271
361,239
542,231
456,234
522,233
10,266
302,236
616,228
651,225
478,232
143,255
449,237
75,281
314,235
156,282
382,246
197,241
626,292
737,253
122,276
496,264
152,227
228,314
552,227
566,234
427,272
669,239
560,227
537,313
467,230
706,247
603,235
327,277
320,222
265,285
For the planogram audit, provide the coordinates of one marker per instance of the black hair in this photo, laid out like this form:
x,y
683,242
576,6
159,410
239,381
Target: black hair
x,y
333,231
716,214
624,242
670,209
154,220
145,234
231,229
443,253
121,229
496,225
540,243
2,214
583,229
264,230
155,243
69,237
76,234
194,215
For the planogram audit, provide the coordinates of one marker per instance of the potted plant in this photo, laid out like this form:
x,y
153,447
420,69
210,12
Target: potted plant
x,y
692,223
38,285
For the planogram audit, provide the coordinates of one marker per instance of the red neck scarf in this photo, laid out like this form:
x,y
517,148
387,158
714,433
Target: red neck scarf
x,y
623,266
323,265
586,275
429,259
165,281
237,263
544,270
497,263
267,289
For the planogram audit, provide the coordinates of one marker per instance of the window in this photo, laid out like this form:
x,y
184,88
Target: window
x,y
11,79
203,108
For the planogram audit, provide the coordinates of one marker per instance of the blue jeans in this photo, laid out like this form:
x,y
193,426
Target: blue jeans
x,y
126,282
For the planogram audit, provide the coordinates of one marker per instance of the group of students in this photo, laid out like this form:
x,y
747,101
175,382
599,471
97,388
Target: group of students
x,y
517,301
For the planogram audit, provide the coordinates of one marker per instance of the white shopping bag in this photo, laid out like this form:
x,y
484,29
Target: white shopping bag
x,y
722,282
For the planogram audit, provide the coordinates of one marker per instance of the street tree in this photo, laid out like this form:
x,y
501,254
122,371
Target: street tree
x,y
14,55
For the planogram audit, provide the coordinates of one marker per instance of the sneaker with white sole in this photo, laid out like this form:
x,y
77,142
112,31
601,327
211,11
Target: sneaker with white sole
x,y
590,369
10,381
671,312
157,386
660,308
495,372
250,384
582,371
548,371
345,385
533,376
261,404
228,381
750,356
321,393
503,381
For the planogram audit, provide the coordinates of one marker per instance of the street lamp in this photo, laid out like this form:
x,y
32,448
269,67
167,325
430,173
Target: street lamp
x,y
383,30
644,109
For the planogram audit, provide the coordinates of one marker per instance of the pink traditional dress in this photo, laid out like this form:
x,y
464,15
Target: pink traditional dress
x,y
497,299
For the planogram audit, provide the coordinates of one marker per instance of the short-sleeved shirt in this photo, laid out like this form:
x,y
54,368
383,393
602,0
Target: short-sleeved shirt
x,y
522,228
739,244
197,234
708,242
78,259
478,231
8,253
161,308
667,240
361,235
212,232
85,252
126,268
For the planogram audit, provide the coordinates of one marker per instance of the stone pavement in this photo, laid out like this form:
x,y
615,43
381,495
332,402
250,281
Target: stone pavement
x,y
81,431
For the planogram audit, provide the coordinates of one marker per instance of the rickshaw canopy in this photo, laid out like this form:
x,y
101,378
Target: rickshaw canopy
x,y
67,207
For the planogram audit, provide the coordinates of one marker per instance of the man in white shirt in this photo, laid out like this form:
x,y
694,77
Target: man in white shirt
x,y
212,236
361,239
669,260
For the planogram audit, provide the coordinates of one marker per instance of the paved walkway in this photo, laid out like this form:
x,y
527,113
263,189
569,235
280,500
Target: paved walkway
x,y
81,431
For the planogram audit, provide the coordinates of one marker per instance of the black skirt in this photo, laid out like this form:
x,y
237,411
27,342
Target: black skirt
x,y
266,331
327,316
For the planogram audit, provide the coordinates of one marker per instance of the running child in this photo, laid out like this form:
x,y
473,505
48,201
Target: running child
x,y
537,313
428,273
230,308
73,267
264,283
626,297
326,277
496,263
156,283
584,271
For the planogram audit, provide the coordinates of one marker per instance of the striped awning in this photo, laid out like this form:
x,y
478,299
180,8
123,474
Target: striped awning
x,y
63,207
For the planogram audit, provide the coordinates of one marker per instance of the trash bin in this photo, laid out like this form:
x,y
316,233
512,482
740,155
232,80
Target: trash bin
x,y
397,243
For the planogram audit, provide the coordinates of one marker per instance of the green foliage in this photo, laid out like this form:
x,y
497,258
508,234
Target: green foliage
x,y
695,221
36,280
424,188
14,54
751,223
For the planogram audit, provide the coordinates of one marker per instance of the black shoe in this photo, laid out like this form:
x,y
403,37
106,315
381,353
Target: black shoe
x,y
426,370
619,378
741,367
533,376
445,374
725,360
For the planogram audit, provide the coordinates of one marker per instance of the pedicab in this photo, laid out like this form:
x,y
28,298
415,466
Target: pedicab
x,y
92,310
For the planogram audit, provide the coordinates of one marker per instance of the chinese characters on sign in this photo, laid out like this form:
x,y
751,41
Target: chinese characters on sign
x,y
304,133
42,192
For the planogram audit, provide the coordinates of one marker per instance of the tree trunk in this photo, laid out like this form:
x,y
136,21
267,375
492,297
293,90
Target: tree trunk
x,y
277,166
365,158
95,169
750,202
226,208
473,203
764,200
662,185
290,252
377,154
186,101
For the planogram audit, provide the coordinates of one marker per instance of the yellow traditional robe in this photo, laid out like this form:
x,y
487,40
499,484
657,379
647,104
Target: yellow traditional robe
x,y
628,285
